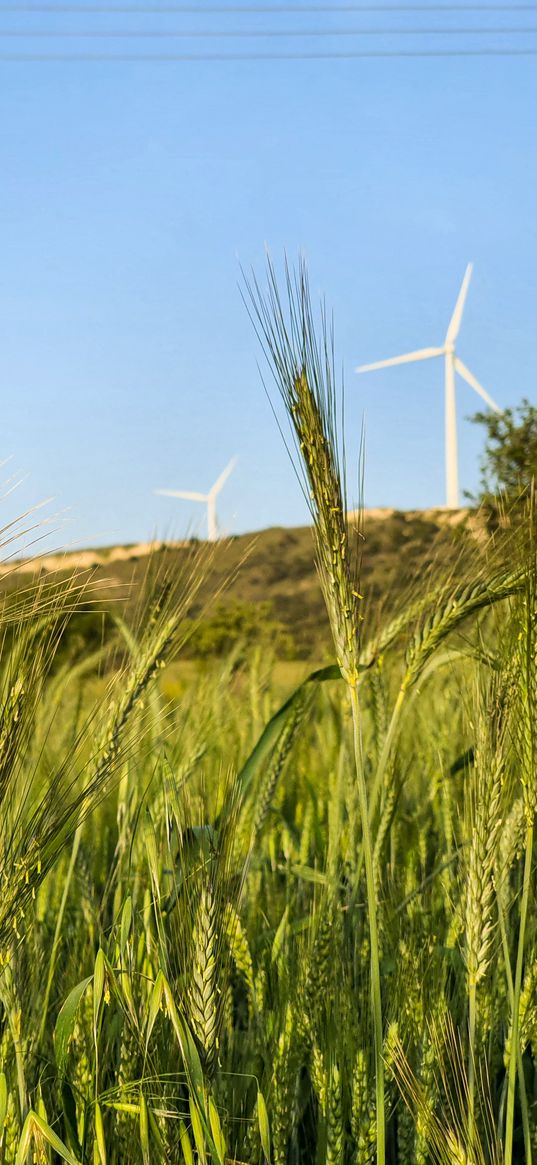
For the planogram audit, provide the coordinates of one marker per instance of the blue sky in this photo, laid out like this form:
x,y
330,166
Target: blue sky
x,y
131,193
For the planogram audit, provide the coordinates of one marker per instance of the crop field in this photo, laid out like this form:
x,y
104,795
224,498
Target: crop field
x,y
268,912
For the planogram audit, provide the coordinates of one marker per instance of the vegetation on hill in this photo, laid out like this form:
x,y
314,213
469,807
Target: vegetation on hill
x,y
266,583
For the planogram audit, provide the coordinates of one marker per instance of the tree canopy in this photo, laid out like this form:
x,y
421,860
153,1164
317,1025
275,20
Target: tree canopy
x,y
509,463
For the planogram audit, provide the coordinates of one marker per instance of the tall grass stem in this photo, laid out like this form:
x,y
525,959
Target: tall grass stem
x,y
515,1036
375,985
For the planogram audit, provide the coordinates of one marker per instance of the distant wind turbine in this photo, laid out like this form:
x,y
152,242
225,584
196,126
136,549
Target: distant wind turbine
x,y
209,499
452,364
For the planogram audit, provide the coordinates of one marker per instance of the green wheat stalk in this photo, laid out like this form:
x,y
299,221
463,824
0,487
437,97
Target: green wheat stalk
x,y
303,368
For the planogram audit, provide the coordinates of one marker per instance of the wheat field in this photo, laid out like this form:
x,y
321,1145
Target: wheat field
x,y
236,929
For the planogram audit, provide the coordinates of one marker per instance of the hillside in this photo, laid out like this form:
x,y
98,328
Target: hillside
x,y
268,579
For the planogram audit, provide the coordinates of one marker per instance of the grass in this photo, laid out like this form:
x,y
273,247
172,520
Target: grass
x,y
254,913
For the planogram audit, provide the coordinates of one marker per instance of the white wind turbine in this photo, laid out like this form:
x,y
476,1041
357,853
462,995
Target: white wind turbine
x,y
452,364
209,499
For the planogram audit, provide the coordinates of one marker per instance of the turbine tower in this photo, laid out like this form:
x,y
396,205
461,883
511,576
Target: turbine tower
x,y
452,364
209,499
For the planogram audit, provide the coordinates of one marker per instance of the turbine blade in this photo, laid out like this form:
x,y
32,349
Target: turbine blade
x,y
477,387
215,489
408,358
181,493
455,321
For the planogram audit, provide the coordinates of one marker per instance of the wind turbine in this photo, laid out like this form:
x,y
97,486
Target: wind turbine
x,y
452,364
209,499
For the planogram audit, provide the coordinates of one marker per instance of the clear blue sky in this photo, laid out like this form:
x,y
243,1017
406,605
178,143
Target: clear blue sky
x,y
131,192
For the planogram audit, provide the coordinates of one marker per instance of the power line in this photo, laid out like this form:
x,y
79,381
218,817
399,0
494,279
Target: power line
x,y
269,56
258,9
205,34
